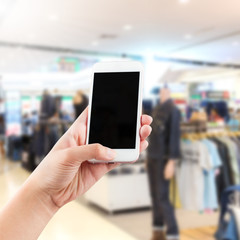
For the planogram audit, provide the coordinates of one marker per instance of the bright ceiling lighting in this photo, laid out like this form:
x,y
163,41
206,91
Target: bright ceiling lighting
x,y
188,36
95,43
127,27
184,1
53,17
2,9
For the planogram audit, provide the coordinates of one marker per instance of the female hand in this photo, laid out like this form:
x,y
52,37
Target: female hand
x,y
65,172
63,175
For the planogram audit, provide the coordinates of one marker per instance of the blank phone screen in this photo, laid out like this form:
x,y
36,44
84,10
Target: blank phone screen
x,y
114,109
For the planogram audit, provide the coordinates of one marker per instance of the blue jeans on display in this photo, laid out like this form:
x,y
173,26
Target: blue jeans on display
x,y
163,211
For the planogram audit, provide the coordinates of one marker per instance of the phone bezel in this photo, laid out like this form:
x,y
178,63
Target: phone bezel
x,y
122,155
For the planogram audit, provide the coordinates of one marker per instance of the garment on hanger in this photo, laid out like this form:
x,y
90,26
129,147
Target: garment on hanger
x,y
207,167
210,190
225,178
174,194
195,159
237,142
233,158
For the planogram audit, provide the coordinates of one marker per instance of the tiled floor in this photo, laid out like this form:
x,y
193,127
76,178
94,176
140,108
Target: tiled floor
x,y
78,221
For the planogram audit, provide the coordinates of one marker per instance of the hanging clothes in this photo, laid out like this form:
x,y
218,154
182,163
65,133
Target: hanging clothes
x,y
207,167
237,142
225,178
174,194
210,189
195,159
232,147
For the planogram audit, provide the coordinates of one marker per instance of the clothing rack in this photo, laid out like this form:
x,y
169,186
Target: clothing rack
x,y
215,147
199,129
57,121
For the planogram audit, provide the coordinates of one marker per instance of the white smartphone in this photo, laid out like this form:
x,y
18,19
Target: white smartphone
x,y
115,108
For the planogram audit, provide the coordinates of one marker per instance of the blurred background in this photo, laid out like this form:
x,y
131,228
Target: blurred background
x,y
47,50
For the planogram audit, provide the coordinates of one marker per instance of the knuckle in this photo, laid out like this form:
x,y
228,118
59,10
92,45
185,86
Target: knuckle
x,y
67,153
98,149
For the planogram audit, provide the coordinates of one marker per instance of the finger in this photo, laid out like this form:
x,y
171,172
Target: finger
x,y
79,128
81,120
143,145
83,116
102,169
77,131
88,152
146,120
110,167
145,132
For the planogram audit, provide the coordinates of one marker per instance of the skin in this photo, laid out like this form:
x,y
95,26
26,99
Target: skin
x,y
169,170
61,177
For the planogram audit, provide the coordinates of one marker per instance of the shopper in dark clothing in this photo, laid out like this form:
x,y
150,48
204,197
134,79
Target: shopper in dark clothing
x,y
164,149
80,102
47,133
48,106
2,136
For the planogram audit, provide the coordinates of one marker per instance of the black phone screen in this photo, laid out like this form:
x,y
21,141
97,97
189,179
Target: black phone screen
x,y
114,109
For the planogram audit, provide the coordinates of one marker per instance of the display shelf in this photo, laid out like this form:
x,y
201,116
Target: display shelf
x,y
120,191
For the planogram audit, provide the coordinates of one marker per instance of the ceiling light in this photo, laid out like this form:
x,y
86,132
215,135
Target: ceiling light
x,y
95,43
235,44
184,1
53,17
188,36
127,27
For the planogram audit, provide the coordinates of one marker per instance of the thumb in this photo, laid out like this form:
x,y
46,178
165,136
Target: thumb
x,y
91,151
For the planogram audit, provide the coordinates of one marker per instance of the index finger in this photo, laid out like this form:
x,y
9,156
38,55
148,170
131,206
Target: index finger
x,y
82,118
146,119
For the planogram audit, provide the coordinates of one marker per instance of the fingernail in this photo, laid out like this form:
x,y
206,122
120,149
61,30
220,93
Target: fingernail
x,y
110,153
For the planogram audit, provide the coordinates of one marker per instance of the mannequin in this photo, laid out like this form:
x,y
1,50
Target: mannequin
x,y
170,167
163,151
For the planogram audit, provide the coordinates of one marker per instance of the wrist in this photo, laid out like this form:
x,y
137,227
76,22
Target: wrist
x,y
27,213
41,201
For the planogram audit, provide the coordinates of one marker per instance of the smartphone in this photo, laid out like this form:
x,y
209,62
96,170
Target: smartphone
x,y
115,108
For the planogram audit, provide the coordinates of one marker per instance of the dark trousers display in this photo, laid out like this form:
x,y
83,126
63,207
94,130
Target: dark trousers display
x,y
163,211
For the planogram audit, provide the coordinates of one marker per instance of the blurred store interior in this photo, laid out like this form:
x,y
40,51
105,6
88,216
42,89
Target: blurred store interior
x,y
48,48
